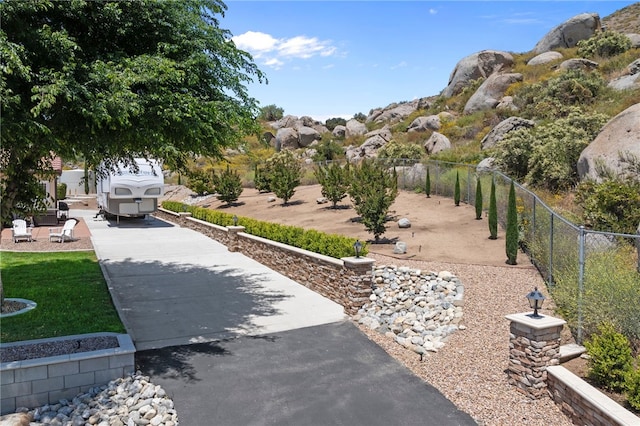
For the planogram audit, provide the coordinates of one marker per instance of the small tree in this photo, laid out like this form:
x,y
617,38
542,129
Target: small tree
x,y
456,193
285,173
200,182
334,180
478,200
427,185
512,228
493,212
261,179
271,113
228,185
373,190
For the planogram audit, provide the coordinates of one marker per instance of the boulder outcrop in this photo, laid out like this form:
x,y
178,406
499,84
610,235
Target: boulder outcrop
x,y
569,33
355,128
619,137
630,81
544,58
578,64
424,123
436,143
478,65
490,92
501,129
369,149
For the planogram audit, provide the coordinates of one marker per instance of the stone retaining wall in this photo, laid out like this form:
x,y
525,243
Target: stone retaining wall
x,y
346,281
583,403
41,381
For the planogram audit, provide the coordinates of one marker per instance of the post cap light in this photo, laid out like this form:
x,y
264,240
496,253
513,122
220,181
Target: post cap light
x,y
357,246
235,220
536,299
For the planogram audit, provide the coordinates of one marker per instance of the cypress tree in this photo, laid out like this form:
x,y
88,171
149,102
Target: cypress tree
x,y
456,194
427,185
512,228
493,212
478,200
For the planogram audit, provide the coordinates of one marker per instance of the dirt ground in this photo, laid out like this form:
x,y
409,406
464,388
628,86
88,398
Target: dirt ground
x,y
439,230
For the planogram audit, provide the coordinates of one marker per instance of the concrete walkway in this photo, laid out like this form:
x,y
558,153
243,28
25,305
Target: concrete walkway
x,y
235,343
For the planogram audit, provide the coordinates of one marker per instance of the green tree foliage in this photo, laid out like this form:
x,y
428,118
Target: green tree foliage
x,y
334,180
333,122
547,155
493,212
271,113
395,149
512,227
228,185
554,97
360,117
373,190
261,179
427,184
456,190
632,385
284,174
478,204
111,80
611,205
604,44
327,150
200,182
610,358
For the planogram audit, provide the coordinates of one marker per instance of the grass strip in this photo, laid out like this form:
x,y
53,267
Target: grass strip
x,y
70,291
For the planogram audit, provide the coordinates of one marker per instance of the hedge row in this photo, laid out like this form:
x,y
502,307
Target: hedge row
x,y
336,246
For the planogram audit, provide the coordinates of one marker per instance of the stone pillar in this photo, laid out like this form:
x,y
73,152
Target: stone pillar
x,y
534,344
359,277
234,241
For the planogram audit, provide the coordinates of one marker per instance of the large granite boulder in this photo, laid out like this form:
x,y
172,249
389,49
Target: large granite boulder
x,y
307,136
635,39
384,132
368,149
286,121
339,131
478,65
620,136
631,81
569,33
424,123
287,138
397,113
501,129
544,58
437,142
490,92
578,64
355,128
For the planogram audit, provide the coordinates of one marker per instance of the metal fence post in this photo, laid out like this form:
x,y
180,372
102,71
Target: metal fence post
x,y
580,285
468,184
550,276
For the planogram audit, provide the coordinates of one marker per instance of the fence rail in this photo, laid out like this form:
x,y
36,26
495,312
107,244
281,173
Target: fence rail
x,y
594,276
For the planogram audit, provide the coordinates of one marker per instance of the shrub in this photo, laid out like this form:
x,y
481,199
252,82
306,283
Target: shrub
x,y
512,228
271,113
604,44
478,200
633,387
261,179
393,149
333,122
373,190
456,190
513,152
334,180
610,357
493,212
61,191
327,151
228,185
200,182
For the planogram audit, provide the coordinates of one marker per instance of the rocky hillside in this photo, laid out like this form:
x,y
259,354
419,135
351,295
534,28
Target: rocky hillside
x,y
625,20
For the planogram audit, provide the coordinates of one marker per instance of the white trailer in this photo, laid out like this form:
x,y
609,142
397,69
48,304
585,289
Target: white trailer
x,y
125,192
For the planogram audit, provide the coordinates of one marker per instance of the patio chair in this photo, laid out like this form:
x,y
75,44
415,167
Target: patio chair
x,y
63,234
20,231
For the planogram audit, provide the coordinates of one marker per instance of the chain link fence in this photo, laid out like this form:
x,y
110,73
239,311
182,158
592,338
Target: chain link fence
x,y
593,276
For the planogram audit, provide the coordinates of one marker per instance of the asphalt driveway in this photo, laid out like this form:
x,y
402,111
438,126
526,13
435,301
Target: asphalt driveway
x,y
235,343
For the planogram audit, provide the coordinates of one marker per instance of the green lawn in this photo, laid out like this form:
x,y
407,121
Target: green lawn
x,y
70,291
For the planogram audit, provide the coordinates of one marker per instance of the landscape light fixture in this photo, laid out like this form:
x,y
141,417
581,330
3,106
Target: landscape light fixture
x,y
535,302
357,246
235,220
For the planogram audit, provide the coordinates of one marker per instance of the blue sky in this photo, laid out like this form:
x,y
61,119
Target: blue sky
x,y
337,58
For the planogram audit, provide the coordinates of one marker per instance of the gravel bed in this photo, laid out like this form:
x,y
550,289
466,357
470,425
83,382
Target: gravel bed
x,y
57,347
470,369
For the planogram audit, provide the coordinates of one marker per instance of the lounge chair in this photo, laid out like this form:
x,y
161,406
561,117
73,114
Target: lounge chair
x,y
63,234
20,231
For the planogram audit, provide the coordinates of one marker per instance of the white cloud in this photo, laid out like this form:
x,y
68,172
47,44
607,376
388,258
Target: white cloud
x,y
432,11
275,51
400,65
